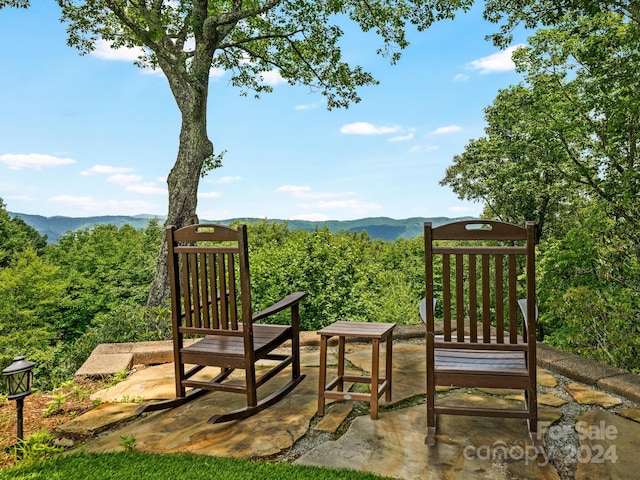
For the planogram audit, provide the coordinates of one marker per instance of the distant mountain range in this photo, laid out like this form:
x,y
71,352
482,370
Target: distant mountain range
x,y
376,227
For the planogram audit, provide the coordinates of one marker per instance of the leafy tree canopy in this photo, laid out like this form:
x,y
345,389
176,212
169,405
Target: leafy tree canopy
x,y
16,236
533,13
566,135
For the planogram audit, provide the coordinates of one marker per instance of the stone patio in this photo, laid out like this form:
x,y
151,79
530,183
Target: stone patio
x,y
591,432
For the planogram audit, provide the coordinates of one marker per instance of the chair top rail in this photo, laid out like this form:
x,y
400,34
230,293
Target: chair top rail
x,y
205,233
480,250
205,249
478,230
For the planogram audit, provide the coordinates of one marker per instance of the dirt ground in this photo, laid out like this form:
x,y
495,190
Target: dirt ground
x,y
43,411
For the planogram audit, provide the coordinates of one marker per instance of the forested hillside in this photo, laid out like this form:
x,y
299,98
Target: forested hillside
x,y
59,301
382,228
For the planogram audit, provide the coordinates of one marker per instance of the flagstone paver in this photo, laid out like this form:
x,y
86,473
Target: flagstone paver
x,y
545,379
551,400
104,416
630,413
409,368
335,414
185,428
466,447
585,395
609,447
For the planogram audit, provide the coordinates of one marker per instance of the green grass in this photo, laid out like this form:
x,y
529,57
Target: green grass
x,y
142,466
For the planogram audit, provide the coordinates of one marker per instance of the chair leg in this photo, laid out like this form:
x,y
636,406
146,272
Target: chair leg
x,y
532,421
250,379
430,438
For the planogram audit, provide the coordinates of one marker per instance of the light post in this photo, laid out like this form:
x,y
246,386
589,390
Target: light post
x,y
19,376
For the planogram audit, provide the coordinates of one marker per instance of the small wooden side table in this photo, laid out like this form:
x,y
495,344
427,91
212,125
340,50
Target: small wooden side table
x,y
376,332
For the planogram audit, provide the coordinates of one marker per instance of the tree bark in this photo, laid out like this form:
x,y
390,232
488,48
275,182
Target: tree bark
x,y
183,180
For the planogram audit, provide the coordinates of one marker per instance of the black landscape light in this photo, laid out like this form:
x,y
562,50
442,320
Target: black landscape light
x,y
19,376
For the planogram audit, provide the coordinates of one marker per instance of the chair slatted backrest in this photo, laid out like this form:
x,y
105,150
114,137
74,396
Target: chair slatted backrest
x,y
209,279
485,268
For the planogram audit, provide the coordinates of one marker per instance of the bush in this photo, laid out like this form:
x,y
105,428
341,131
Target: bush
x,y
347,275
589,293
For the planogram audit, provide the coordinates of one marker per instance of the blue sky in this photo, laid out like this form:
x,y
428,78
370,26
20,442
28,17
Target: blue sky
x,y
95,135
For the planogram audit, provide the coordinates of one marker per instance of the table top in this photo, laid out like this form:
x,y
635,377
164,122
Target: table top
x,y
357,329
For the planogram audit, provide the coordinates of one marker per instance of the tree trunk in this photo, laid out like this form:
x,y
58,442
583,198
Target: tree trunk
x,y
183,180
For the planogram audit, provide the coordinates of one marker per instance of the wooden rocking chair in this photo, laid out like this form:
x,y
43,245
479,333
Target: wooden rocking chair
x,y
485,268
211,300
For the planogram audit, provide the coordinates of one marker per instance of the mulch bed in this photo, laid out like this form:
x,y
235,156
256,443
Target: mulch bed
x,y
43,411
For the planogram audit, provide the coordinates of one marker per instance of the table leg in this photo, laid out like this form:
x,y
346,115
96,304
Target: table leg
x,y
375,373
323,374
389,367
341,347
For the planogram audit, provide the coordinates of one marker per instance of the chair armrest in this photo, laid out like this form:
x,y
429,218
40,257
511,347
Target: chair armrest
x,y
287,302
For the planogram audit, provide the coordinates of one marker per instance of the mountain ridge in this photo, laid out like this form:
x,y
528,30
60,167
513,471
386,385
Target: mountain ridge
x,y
383,228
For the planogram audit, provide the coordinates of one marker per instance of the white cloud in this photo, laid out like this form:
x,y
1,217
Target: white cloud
x,y
227,179
326,201
109,207
104,51
460,77
498,62
312,217
461,209
22,198
121,179
71,200
305,192
272,77
401,138
130,182
105,170
146,189
423,148
445,130
365,128
306,107
209,194
35,161
217,72
353,205
295,189
147,70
